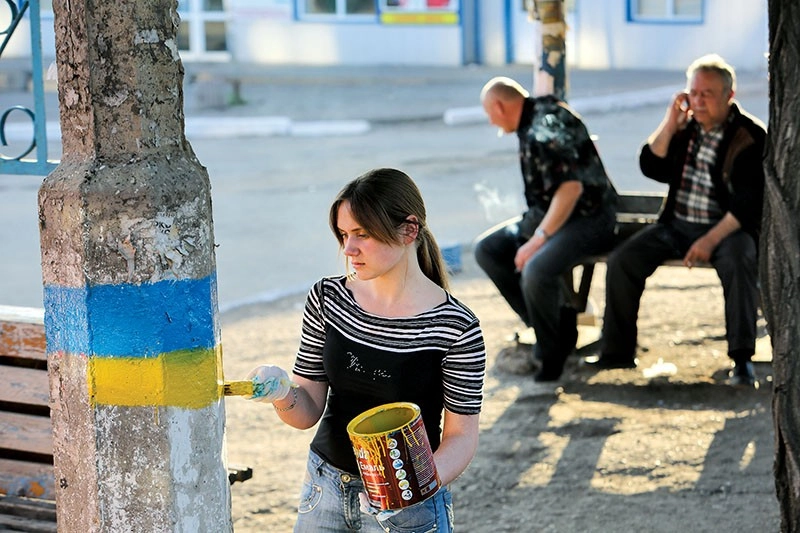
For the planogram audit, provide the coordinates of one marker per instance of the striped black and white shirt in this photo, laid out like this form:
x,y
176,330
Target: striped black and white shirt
x,y
436,359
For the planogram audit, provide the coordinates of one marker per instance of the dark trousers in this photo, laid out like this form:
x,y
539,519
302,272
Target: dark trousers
x,y
629,266
537,293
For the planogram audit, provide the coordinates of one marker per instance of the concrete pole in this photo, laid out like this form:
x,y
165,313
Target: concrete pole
x,y
550,76
130,284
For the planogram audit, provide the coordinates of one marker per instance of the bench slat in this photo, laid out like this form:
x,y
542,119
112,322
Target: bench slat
x,y
640,202
26,433
31,508
24,386
14,313
32,480
13,523
22,333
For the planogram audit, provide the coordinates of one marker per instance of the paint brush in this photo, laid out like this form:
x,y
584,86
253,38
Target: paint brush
x,y
247,388
238,388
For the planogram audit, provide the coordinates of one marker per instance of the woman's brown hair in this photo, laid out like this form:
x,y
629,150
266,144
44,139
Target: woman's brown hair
x,y
381,201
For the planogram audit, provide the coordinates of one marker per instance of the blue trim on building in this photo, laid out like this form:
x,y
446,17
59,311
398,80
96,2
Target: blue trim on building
x,y
479,59
508,23
129,320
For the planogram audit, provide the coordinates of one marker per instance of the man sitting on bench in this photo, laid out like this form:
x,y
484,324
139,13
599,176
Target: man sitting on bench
x,y
570,215
709,151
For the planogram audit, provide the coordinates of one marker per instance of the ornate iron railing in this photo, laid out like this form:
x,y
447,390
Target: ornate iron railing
x,y
20,163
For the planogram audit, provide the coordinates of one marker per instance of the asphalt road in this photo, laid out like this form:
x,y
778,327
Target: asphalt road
x,y
271,194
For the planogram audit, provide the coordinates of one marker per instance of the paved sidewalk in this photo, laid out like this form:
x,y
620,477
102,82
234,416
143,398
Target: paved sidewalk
x,y
412,93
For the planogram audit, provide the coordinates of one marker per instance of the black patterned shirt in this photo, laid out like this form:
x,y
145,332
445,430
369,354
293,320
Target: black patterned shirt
x,y
554,147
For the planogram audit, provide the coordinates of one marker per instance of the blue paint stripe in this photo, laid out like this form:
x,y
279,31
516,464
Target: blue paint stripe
x,y
129,320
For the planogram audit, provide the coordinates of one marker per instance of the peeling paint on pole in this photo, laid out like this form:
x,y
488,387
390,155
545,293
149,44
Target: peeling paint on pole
x,y
551,77
130,290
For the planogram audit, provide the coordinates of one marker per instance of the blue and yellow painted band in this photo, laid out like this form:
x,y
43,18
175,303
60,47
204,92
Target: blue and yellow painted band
x,y
130,320
152,344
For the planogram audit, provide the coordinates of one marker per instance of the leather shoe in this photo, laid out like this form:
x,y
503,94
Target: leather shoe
x,y
548,373
606,362
742,374
551,369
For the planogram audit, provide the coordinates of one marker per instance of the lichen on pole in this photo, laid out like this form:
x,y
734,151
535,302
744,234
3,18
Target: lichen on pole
x,y
129,278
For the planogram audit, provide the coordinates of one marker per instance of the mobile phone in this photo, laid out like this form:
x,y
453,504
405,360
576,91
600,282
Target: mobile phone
x,y
685,102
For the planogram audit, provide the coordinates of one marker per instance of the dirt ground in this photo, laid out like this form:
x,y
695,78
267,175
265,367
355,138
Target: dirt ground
x,y
642,450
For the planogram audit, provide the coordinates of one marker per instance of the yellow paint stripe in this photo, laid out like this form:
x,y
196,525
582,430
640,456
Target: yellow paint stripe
x,y
190,379
420,18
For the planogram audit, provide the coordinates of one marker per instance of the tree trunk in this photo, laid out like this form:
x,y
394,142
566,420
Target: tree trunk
x,y
780,252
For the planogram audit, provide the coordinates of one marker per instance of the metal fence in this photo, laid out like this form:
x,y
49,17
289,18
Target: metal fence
x,y
30,158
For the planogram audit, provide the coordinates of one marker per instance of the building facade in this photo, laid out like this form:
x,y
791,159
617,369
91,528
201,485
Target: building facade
x,y
602,34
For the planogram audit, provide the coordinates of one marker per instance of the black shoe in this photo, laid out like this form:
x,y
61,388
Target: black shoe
x,y
548,373
607,362
742,374
551,368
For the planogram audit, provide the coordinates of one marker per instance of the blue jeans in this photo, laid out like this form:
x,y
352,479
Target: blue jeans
x,y
537,294
329,502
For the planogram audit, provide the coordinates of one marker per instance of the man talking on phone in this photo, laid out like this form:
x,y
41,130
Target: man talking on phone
x,y
709,151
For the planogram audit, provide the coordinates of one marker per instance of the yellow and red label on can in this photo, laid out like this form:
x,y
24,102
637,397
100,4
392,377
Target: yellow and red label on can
x,y
394,455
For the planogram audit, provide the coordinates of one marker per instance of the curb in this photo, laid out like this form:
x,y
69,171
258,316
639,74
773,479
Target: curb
x,y
620,101
219,127
584,106
226,128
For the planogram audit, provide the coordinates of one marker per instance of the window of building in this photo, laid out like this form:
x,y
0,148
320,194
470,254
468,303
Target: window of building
x,y
336,9
419,5
203,32
665,10
383,11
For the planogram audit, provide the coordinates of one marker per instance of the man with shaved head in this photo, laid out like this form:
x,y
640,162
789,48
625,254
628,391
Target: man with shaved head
x,y
570,215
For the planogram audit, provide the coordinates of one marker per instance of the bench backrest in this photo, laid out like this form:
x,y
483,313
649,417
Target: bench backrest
x,y
635,211
26,444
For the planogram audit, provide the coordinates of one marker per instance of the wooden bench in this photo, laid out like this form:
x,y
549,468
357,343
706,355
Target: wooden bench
x,y
634,212
27,483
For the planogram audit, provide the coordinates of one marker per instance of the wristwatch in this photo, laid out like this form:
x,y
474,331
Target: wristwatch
x,y
541,233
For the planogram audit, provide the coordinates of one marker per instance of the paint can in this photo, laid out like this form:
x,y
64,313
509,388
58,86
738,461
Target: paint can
x,y
394,455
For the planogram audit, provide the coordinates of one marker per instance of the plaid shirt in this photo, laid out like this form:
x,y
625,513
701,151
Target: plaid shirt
x,y
737,174
695,199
